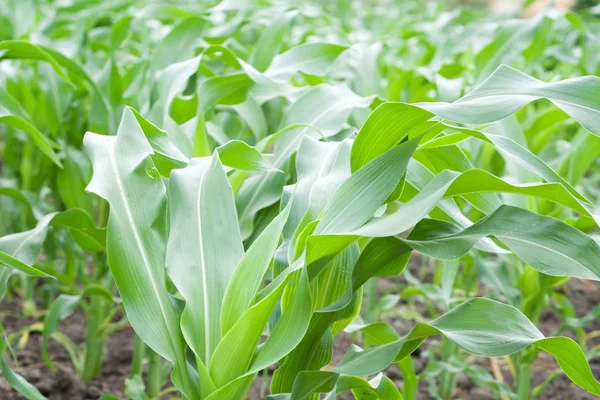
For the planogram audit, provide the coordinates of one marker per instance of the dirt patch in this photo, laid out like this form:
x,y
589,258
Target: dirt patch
x,y
584,296
65,383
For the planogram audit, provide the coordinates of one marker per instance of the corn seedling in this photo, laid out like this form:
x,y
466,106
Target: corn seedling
x,y
251,172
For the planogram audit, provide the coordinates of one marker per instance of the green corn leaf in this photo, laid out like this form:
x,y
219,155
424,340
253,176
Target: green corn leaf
x,y
178,45
73,178
204,248
25,50
310,58
478,326
379,388
386,127
290,329
231,369
449,184
102,113
322,111
227,89
309,382
61,308
239,155
270,39
314,351
392,122
548,245
19,251
321,167
119,32
507,90
82,228
251,112
249,272
168,153
125,176
15,380
365,191
355,202
13,115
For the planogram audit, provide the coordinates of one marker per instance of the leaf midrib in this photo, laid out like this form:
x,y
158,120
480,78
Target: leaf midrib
x,y
138,240
203,271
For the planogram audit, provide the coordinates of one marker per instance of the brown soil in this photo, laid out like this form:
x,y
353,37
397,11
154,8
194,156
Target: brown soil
x,y
65,384
584,295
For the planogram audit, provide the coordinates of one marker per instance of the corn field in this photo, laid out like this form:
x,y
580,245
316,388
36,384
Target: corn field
x,y
299,200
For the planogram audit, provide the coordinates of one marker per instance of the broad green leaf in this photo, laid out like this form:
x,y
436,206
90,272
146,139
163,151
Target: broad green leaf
x,y
322,111
366,190
251,112
13,115
309,58
450,184
204,248
548,245
125,176
507,90
572,360
60,309
290,329
386,127
309,382
167,151
249,273
239,155
227,89
233,356
73,178
26,50
119,31
102,114
170,82
478,326
321,167
135,389
178,45
379,388
19,251
266,88
315,349
82,228
270,39
392,122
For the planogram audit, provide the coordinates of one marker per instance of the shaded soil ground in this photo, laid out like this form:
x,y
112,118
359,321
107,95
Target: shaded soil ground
x,y
65,384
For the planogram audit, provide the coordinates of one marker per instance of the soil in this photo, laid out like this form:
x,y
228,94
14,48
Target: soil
x,y
65,384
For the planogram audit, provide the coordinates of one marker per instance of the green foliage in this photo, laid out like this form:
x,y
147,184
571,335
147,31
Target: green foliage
x,y
245,172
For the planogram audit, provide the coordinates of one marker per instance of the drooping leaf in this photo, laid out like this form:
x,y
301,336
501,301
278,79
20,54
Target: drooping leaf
x,y
506,90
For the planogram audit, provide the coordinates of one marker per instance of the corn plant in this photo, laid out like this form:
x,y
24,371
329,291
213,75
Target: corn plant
x,y
286,157
187,230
